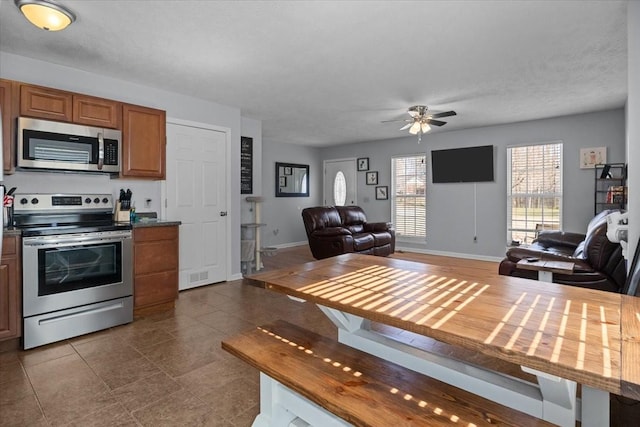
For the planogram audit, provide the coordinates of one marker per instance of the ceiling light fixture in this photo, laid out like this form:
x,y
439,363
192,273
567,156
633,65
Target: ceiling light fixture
x,y
46,14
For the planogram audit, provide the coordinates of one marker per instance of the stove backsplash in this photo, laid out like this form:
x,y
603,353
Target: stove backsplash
x,y
59,182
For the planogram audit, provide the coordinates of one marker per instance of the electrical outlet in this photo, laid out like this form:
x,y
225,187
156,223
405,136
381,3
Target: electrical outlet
x,y
147,203
475,239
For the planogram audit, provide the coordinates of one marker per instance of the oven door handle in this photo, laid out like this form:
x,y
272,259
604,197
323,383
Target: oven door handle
x,y
75,241
100,151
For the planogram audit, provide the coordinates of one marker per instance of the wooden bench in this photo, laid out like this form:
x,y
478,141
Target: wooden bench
x,y
299,367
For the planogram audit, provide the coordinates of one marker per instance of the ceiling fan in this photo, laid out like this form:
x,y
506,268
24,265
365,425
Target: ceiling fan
x,y
421,120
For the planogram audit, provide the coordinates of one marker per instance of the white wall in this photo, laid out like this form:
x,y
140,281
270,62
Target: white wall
x,y
450,208
633,123
177,106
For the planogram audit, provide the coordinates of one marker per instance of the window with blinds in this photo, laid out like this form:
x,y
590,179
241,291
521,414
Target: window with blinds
x,y
408,196
534,190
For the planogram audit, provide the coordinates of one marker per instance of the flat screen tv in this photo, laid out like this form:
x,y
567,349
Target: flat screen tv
x,y
470,164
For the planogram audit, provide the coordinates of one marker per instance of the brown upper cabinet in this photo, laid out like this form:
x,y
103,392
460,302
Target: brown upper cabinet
x,y
53,104
46,103
143,142
92,111
9,104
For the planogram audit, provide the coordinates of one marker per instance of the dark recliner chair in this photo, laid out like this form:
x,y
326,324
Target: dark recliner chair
x,y
336,230
599,264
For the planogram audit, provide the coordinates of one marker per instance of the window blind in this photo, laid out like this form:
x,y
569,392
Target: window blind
x,y
408,196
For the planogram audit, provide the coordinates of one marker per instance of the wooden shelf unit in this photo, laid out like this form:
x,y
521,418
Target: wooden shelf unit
x,y
610,190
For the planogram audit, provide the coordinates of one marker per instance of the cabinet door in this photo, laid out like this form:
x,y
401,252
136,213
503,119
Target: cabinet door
x,y
143,142
10,313
88,110
9,101
45,103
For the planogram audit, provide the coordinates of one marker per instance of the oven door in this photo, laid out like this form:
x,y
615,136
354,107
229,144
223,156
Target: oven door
x,y
64,271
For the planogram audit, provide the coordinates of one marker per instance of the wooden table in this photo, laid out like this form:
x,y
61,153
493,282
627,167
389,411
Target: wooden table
x,y
546,269
565,335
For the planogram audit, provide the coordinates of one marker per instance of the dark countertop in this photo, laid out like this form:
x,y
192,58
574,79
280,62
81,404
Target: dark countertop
x,y
154,223
11,232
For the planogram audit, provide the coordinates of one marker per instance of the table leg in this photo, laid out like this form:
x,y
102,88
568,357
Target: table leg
x,y
559,399
545,276
595,407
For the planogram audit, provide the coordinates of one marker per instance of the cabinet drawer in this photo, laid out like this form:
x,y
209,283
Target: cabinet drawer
x,y
46,103
88,110
147,234
156,288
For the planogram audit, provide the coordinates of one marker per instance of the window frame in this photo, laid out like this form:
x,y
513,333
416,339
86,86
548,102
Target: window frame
x,y
550,195
394,198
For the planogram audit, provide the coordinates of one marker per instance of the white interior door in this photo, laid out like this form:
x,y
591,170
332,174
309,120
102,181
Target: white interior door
x,y
196,192
340,185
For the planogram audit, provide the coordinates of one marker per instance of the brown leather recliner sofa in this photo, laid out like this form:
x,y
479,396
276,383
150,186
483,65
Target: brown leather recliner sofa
x,y
336,230
598,262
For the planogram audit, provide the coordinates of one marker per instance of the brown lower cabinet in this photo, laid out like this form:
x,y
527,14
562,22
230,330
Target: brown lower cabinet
x,y
10,289
155,268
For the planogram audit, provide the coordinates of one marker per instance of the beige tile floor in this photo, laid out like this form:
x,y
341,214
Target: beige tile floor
x,y
163,370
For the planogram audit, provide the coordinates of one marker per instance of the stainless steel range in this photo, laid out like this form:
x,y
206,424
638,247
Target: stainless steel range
x,y
77,266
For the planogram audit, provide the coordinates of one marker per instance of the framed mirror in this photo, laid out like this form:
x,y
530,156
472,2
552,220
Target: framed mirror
x,y
292,180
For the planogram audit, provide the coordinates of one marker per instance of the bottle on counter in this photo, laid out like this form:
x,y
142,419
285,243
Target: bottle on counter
x,y
132,214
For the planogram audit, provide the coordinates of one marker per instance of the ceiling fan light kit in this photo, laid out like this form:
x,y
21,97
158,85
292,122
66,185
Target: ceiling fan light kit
x,y
421,120
46,14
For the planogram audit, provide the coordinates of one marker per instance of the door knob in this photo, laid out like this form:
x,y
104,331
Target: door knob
x,y
223,213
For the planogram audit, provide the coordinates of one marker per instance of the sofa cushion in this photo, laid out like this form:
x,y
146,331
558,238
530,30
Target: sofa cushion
x,y
381,238
318,218
362,242
353,218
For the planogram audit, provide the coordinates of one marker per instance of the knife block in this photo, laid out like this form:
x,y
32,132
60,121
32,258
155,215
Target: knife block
x,y
122,215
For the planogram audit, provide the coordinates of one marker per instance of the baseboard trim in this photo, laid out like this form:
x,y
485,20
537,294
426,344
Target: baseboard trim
x,y
450,254
291,245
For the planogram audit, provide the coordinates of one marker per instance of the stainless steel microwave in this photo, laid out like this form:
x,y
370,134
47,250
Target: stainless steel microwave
x,y
44,144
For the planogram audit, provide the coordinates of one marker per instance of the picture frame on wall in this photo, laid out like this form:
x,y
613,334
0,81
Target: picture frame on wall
x,y
287,170
363,164
283,181
372,178
590,157
382,192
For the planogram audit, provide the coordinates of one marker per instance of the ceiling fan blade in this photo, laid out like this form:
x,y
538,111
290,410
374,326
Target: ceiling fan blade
x,y
399,120
436,122
445,114
407,126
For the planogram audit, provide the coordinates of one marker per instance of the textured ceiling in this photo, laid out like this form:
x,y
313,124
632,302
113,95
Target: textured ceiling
x,y
326,72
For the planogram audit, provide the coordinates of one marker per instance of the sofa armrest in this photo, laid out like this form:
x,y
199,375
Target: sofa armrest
x,y
377,226
559,238
518,253
331,231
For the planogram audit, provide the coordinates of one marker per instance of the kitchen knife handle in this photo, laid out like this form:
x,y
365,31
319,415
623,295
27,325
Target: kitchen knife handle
x,y
100,151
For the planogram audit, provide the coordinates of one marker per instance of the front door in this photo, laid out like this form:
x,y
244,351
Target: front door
x,y
196,191
340,183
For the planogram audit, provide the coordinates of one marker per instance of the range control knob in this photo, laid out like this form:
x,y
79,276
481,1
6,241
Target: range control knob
x,y
87,200
34,201
105,200
24,201
96,200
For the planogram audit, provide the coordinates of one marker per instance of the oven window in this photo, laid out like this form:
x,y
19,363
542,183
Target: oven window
x,y
78,267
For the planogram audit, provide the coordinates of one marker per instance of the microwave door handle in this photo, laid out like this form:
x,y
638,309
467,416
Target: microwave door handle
x,y
100,151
